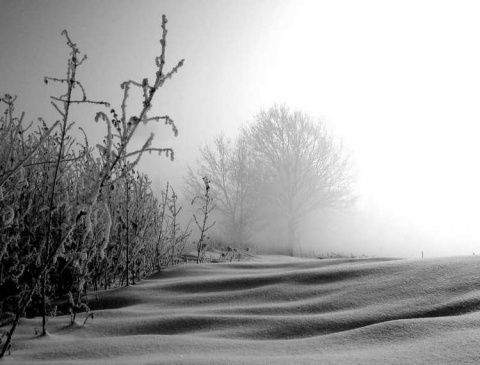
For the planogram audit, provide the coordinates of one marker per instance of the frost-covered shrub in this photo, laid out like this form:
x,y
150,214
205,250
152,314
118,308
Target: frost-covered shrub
x,y
62,206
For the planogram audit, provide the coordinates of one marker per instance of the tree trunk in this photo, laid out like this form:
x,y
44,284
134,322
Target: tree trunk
x,y
291,236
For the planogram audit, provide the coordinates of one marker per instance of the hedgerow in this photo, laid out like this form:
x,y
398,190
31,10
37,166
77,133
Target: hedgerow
x,y
74,217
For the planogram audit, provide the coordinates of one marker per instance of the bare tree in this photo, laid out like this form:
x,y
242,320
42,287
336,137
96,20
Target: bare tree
x,y
300,167
229,167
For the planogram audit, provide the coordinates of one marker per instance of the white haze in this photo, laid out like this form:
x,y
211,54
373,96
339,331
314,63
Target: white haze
x,y
398,82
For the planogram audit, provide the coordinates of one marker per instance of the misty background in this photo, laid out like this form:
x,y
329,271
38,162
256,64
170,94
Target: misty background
x,y
397,82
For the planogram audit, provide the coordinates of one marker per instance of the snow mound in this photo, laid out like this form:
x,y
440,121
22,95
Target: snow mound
x,y
276,310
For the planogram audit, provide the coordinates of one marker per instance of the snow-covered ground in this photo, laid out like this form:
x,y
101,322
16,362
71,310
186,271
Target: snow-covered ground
x,y
276,310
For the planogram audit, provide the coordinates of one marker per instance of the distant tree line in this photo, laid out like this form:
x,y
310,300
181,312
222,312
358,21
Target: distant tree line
x,y
283,164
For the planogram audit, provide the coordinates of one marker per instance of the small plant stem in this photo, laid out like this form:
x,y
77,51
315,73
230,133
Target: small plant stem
x,y
162,217
128,223
70,83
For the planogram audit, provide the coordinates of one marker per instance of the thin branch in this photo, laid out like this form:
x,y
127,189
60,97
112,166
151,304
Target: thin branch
x,y
57,108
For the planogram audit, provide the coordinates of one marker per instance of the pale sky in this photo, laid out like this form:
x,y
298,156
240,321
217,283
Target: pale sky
x,y
397,81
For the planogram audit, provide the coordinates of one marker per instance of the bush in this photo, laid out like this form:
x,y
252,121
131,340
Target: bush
x,y
72,216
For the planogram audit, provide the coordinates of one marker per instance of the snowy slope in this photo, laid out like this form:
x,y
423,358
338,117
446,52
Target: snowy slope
x,y
276,310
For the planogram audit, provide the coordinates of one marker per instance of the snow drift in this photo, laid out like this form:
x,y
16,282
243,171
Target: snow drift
x,y
276,310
